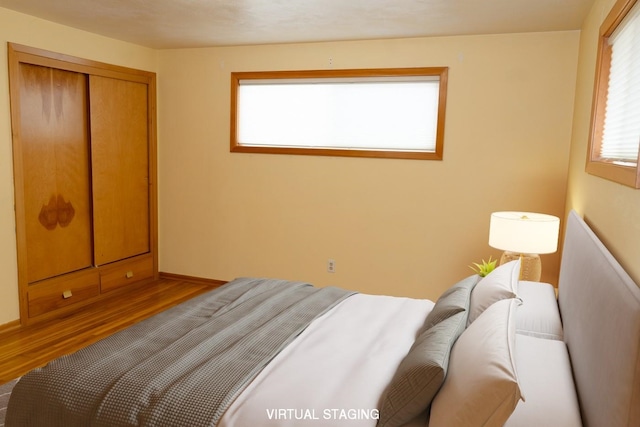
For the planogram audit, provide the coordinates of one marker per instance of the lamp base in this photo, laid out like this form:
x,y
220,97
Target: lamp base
x,y
530,265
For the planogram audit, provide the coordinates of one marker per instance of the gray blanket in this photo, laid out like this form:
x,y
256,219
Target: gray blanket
x,y
182,367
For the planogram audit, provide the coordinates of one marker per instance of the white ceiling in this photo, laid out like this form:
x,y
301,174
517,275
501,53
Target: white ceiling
x,y
197,23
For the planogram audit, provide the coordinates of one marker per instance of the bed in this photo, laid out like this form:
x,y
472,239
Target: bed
x,y
262,352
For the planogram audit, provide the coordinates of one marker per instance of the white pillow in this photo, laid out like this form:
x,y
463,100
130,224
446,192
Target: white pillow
x,y
545,378
481,387
501,283
538,316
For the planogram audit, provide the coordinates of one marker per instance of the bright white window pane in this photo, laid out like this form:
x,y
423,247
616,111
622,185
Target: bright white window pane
x,y
379,115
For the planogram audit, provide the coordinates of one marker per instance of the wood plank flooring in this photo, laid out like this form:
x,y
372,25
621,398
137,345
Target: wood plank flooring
x,y
27,348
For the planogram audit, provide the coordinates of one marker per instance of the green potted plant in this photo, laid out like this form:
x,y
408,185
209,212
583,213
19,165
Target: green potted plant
x,y
484,268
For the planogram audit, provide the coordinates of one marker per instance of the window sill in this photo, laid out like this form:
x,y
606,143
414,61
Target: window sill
x,y
625,175
379,154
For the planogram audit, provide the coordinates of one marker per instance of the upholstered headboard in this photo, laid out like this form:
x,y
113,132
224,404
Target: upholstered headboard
x,y
600,308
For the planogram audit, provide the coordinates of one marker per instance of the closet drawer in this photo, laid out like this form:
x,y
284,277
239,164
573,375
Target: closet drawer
x,y
62,291
125,273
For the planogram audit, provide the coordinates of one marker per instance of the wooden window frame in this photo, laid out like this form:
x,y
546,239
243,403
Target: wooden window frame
x,y
626,175
437,154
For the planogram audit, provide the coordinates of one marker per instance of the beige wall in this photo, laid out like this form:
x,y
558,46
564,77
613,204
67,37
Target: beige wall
x,y
398,227
611,209
393,226
24,29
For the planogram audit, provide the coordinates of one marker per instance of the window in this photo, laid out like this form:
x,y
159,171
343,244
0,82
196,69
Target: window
x,y
615,130
395,113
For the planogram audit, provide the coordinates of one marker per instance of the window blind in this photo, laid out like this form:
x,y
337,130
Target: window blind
x,y
390,114
621,131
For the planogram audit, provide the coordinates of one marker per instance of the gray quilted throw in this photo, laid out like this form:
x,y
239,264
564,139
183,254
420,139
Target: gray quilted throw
x,y
182,367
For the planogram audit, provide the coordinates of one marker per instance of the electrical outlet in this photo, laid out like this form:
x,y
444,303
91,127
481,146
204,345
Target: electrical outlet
x,y
331,265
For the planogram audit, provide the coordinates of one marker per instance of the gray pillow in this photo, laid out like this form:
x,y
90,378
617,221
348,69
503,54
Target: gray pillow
x,y
421,373
453,300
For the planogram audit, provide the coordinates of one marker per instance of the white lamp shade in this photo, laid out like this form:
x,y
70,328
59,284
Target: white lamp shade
x,y
524,232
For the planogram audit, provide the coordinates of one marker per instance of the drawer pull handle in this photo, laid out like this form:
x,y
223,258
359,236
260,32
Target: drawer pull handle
x,y
129,274
67,294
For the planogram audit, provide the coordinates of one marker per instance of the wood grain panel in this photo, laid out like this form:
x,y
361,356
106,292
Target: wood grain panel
x,y
49,294
125,273
55,147
120,164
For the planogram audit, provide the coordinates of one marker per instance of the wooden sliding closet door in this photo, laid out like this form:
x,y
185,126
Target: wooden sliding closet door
x,y
120,164
84,153
55,159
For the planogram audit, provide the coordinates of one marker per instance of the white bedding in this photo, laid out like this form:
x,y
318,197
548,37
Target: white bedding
x,y
336,372
544,374
310,383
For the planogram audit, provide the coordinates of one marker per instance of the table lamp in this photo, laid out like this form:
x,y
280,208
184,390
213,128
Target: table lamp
x,y
524,235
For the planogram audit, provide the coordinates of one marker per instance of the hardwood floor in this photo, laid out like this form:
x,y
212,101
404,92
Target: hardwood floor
x,y
27,348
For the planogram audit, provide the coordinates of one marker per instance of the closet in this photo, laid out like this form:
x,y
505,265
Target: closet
x,y
84,156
